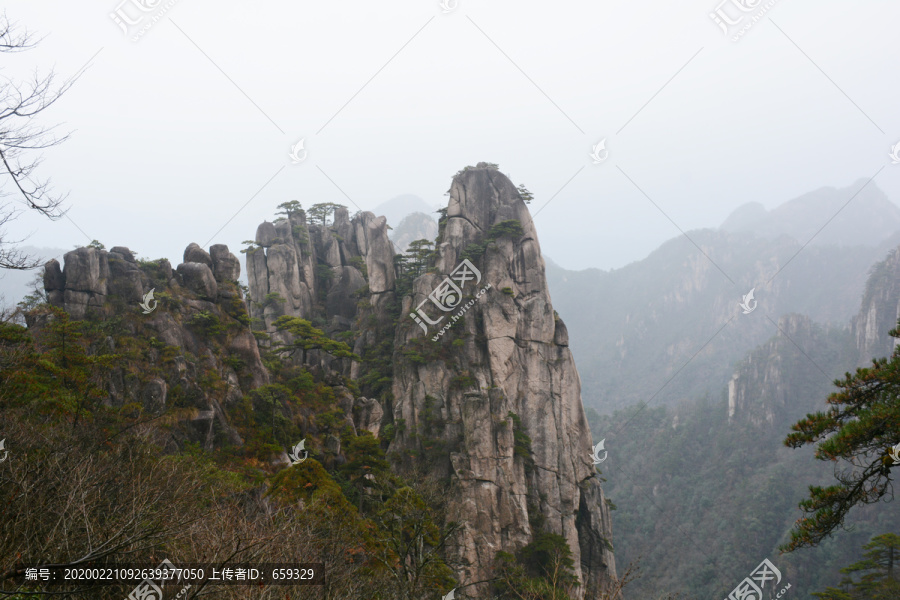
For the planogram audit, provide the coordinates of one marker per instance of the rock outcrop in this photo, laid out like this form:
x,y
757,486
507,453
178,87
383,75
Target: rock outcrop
x,y
466,367
879,311
199,298
303,270
496,365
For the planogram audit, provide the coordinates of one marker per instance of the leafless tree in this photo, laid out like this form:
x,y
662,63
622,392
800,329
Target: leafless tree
x,y
22,139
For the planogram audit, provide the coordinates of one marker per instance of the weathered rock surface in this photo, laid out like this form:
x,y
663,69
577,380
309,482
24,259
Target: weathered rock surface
x,y
879,311
205,286
513,359
198,278
297,267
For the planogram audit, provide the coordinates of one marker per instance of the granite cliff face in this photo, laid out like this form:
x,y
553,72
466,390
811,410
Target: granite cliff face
x,y
102,286
879,311
502,369
473,385
790,374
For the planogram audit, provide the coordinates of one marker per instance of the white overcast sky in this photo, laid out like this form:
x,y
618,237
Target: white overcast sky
x,y
175,133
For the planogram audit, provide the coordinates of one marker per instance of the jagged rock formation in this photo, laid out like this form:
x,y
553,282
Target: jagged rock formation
x,y
879,311
490,404
203,289
507,354
758,391
297,266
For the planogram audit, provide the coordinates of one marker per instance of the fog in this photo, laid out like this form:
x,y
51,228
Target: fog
x,y
184,135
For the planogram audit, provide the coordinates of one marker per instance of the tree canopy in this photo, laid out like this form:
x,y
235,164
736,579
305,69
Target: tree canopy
x,y
860,428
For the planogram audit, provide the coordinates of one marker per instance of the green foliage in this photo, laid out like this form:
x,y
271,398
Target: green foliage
x,y
524,194
414,263
207,322
522,443
360,265
861,426
510,228
272,413
365,466
251,247
271,299
542,570
509,292
289,208
320,213
302,481
410,543
53,369
876,577
96,245
308,337
462,381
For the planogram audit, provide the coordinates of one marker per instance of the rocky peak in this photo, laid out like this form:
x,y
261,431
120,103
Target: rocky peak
x,y
201,293
879,310
493,384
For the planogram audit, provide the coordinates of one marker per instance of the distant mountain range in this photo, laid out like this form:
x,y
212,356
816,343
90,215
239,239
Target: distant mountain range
x,y
863,216
397,208
669,327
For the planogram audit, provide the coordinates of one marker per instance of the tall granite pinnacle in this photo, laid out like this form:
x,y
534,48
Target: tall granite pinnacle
x,y
511,369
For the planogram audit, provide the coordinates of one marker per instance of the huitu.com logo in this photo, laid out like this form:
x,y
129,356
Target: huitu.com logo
x,y
448,295
298,154
145,304
133,16
748,298
895,154
295,452
894,452
3,449
595,456
737,20
599,153
448,6
752,586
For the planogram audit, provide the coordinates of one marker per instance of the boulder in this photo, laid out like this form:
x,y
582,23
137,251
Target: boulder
x,y
195,254
225,265
198,278
266,234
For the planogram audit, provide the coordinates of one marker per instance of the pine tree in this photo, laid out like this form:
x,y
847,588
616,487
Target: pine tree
x,y
861,426
877,573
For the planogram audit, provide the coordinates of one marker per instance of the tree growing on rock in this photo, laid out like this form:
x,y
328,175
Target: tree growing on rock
x,y
322,212
876,577
861,427
307,337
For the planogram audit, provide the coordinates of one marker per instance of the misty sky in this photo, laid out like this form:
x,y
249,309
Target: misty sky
x,y
178,132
